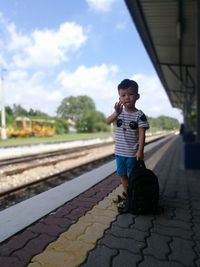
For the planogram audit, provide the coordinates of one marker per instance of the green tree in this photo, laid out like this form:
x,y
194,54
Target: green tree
x,y
37,113
18,110
83,111
100,122
9,111
9,115
90,122
74,107
192,120
168,123
163,123
61,126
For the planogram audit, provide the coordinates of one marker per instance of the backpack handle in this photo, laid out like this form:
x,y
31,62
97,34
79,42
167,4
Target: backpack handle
x,y
140,164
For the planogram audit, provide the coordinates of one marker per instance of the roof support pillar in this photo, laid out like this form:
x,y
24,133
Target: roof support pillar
x,y
186,113
198,69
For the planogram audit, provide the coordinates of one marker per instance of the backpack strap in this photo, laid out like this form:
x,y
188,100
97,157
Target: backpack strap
x,y
140,164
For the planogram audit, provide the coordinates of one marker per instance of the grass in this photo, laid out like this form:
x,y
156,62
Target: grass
x,y
56,138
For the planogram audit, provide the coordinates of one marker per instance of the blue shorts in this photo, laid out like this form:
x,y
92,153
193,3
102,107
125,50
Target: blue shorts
x,y
125,165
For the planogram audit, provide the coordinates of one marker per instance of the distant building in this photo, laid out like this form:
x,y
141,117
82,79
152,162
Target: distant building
x,y
71,125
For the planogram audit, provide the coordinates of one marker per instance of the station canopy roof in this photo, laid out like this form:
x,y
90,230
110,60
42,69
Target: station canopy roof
x,y
168,32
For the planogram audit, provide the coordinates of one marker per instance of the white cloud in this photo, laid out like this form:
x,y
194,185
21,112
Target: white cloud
x,y
94,81
101,5
153,99
49,47
98,82
17,40
17,75
2,61
45,47
31,92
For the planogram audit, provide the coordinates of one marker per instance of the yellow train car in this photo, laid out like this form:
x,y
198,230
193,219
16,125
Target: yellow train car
x,y
26,127
21,128
41,127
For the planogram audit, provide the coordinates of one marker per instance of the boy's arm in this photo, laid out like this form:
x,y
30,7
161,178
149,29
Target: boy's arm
x,y
140,151
118,109
112,117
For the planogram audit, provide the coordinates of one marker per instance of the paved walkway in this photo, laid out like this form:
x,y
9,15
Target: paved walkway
x,y
169,239
89,232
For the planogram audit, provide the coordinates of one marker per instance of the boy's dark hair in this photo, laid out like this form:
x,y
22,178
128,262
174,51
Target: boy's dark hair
x,y
126,83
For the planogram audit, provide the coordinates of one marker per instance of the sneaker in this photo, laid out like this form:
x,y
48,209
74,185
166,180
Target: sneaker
x,y
122,207
124,195
119,198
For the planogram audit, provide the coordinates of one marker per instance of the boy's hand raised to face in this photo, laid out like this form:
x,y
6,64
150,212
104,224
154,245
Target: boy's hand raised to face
x,y
118,107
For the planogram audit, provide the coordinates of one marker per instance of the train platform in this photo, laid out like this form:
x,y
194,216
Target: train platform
x,y
88,231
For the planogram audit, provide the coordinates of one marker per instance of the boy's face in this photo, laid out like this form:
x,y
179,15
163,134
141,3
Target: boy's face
x,y
128,97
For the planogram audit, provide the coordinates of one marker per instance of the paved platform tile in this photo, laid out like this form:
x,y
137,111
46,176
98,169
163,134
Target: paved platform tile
x,y
72,247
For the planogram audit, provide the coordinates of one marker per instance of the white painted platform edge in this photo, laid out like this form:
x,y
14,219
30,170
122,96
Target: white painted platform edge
x,y
21,215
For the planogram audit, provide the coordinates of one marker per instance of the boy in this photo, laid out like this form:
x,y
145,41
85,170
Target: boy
x,y
131,125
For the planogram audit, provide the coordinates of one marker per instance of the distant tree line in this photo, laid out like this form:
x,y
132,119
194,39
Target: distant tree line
x,y
82,111
163,123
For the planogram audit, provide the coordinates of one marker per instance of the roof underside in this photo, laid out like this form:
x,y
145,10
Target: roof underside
x,y
168,32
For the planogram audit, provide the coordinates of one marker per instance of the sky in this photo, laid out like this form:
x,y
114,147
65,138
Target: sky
x,y
52,49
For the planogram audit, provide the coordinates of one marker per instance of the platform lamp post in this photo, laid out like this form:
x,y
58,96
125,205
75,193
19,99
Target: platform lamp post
x,y
3,113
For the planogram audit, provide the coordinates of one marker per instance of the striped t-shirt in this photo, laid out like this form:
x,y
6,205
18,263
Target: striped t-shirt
x,y
127,132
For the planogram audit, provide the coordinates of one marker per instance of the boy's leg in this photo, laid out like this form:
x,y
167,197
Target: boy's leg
x,y
124,182
122,171
130,164
124,168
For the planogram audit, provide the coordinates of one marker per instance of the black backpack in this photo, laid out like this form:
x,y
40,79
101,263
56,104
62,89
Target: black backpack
x,y
143,190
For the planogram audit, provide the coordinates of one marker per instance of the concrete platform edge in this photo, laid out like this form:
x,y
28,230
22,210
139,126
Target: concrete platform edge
x,y
48,201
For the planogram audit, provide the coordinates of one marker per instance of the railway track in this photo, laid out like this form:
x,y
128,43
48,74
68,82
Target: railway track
x,y
26,189
42,155
20,164
14,162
